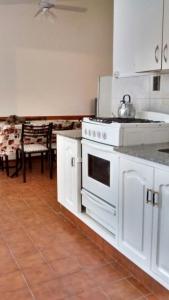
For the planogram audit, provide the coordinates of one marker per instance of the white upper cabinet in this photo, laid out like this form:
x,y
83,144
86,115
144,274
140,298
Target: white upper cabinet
x,y
165,53
124,41
149,27
141,37
160,260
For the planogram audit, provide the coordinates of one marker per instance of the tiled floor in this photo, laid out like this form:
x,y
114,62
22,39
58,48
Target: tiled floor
x,y
44,257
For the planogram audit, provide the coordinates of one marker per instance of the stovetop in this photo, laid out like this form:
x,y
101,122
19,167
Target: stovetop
x,y
121,120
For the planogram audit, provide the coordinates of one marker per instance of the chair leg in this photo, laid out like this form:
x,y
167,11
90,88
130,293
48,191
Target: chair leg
x,y
24,166
50,165
30,162
17,162
42,164
6,165
2,163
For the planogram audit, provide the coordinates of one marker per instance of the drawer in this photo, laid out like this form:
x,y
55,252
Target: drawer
x,y
100,211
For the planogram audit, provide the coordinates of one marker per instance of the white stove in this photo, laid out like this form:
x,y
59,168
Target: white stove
x,y
100,162
125,132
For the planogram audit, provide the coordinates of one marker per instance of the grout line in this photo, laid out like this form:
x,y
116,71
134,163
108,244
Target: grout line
x,y
19,269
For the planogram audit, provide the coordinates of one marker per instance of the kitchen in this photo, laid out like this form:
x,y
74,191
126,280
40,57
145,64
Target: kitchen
x,y
128,178
133,181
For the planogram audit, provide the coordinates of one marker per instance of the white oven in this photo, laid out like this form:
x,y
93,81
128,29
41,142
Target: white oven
x,y
100,171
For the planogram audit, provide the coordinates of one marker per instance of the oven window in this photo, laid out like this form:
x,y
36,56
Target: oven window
x,y
99,169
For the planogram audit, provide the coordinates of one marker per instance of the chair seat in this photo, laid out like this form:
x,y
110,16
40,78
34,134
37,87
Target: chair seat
x,y
33,148
53,145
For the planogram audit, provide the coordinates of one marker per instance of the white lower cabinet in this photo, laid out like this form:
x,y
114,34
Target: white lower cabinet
x,y
69,172
135,214
144,217
160,247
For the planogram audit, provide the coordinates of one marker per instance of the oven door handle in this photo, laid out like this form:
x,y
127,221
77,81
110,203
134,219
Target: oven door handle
x,y
98,146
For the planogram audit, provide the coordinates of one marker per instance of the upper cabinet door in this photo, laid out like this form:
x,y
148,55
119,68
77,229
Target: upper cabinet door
x,y
165,51
160,248
125,14
149,27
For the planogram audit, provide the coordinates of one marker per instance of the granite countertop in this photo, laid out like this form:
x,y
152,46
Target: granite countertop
x,y
148,152
72,133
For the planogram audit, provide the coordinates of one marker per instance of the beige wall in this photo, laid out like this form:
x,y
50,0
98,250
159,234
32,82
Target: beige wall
x,y
52,68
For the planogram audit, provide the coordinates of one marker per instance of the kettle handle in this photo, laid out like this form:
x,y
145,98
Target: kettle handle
x,y
126,96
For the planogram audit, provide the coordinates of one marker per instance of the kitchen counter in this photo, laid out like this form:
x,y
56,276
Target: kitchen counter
x,y
73,133
148,152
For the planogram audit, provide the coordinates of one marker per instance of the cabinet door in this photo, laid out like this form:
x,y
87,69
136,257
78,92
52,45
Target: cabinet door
x,y
125,13
149,26
135,214
165,53
68,172
160,249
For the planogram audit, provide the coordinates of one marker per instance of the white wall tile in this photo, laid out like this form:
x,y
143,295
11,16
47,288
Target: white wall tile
x,y
142,95
137,87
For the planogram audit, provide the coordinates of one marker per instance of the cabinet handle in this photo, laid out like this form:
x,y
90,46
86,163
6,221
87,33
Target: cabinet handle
x,y
149,196
116,74
165,52
157,54
155,199
72,162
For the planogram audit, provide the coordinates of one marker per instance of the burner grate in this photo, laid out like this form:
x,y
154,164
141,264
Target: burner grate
x,y
121,120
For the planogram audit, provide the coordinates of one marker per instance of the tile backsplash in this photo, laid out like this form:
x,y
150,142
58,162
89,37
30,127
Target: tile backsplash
x,y
142,95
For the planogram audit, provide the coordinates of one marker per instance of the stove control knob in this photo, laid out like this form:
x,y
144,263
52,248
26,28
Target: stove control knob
x,y
89,132
94,133
104,135
98,134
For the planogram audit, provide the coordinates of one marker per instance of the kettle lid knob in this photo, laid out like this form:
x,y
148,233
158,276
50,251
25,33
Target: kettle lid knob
x,y
128,98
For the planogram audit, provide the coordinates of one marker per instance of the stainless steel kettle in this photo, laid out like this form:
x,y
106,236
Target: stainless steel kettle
x,y
126,108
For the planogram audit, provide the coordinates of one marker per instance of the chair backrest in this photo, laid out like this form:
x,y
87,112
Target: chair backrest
x,y
40,134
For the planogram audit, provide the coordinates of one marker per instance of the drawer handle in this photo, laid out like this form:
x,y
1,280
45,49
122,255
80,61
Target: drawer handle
x,y
165,52
149,199
157,54
72,162
155,199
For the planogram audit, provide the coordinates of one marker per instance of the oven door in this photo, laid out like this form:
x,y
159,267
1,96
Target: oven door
x,y
100,171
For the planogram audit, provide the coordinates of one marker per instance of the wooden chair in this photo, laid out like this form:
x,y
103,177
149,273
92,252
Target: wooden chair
x,y
35,139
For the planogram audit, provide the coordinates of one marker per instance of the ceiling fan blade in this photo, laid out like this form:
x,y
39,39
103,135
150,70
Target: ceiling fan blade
x,y
38,12
51,14
70,8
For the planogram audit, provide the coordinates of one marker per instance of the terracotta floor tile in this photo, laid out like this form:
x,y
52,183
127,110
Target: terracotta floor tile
x,y
29,260
122,290
77,283
38,274
23,294
92,259
104,276
12,282
95,294
150,297
66,266
20,247
51,290
55,251
17,205
7,265
139,286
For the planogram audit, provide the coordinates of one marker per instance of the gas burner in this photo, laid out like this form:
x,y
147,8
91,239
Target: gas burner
x,y
121,120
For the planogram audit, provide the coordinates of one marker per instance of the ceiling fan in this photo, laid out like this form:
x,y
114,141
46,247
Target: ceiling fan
x,y
46,7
